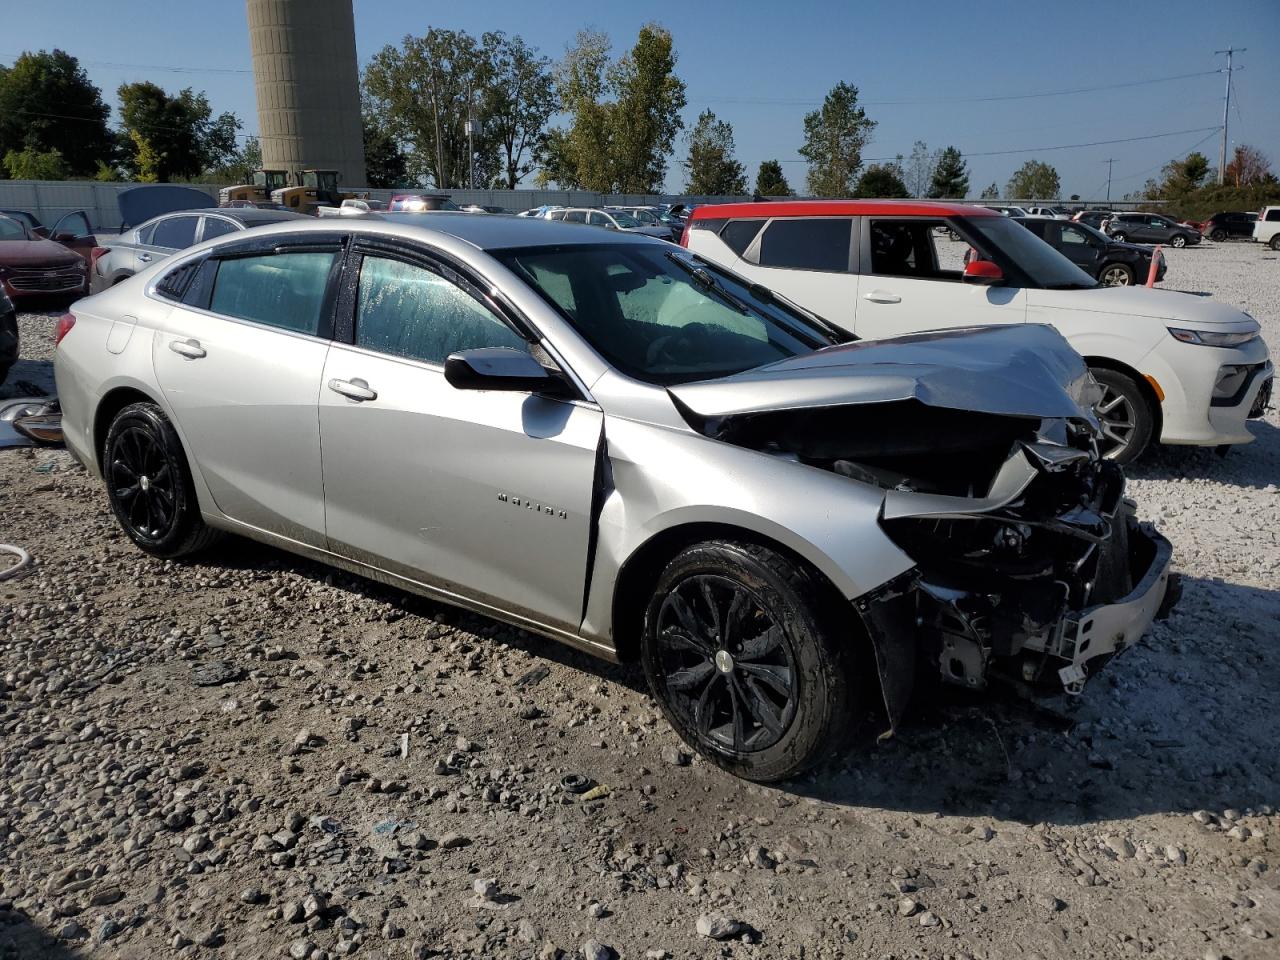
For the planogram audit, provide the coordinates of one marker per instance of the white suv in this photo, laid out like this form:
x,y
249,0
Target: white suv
x,y
1175,368
1267,229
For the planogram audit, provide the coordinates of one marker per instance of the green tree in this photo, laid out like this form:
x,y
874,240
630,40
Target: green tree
x,y
1034,180
770,181
423,92
883,181
32,164
712,169
1182,176
618,144
990,193
239,167
517,102
181,135
47,103
384,161
147,160
951,176
834,137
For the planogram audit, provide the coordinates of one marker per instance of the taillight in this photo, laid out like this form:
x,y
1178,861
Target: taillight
x,y
95,254
65,323
684,236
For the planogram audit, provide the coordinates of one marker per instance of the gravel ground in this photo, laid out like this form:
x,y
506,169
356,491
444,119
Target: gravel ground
x,y
255,756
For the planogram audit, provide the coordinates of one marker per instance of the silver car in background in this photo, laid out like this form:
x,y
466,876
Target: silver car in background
x,y
605,440
160,237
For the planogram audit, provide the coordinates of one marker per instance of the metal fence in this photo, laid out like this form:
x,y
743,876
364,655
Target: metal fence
x,y
50,199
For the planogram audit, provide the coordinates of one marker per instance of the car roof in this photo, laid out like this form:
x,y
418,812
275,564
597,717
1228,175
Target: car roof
x,y
498,231
841,208
255,215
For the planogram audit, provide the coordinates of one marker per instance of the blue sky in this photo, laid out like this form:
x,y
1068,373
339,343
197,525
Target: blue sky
x,y
761,66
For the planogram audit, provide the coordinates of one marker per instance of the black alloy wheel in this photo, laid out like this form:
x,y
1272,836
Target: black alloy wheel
x,y
729,666
149,485
747,653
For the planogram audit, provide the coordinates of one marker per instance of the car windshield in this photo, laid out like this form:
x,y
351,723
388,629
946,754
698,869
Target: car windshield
x,y
626,220
11,229
1021,253
665,317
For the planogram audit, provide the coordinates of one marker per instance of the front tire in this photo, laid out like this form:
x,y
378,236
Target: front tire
x,y
1275,242
149,485
1125,414
1116,275
1120,236
744,656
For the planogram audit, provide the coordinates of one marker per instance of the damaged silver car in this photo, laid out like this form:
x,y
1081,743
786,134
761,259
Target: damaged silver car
x,y
620,446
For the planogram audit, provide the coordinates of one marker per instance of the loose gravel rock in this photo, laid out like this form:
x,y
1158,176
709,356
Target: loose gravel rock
x,y
142,813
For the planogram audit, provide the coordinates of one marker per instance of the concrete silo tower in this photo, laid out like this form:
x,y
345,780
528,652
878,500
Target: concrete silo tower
x,y
304,71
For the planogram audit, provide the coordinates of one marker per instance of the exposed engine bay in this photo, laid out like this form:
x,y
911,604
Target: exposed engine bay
x,y
1031,569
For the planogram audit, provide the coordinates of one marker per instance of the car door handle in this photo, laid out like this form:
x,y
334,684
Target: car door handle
x,y
882,296
144,257
190,349
353,389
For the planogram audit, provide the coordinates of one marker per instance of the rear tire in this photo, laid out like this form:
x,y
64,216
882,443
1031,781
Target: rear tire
x,y
149,485
1178,241
1116,275
1125,414
1218,236
745,657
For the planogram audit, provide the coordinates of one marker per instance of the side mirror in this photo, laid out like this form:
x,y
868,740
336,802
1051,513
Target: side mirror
x,y
984,272
498,368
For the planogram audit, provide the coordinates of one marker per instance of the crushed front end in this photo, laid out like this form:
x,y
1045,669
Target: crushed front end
x,y
1035,585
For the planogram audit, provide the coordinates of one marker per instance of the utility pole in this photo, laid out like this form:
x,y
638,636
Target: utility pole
x,y
1226,106
1110,160
471,131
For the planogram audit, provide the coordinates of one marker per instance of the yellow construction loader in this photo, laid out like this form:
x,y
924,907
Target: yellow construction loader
x,y
265,182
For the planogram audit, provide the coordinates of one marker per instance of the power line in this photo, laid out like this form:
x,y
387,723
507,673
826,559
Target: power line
x,y
1226,112
111,65
805,102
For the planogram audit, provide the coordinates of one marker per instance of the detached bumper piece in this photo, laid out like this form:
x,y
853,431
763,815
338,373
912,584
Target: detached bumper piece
x,y
1036,586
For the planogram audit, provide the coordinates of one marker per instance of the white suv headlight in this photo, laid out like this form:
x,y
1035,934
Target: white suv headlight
x,y
1207,338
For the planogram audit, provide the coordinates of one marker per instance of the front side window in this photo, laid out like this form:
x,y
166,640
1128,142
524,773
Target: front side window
x,y
11,229
915,248
664,317
75,224
807,243
410,311
1075,236
176,233
597,219
1025,260
284,290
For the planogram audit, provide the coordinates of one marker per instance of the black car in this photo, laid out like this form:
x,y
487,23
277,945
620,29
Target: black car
x,y
8,334
1110,262
1222,226
1152,228
1093,218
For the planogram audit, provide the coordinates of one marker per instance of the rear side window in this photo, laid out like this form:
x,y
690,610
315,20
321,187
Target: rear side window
x,y
576,216
1273,215
173,285
217,227
409,311
738,234
177,233
284,290
807,243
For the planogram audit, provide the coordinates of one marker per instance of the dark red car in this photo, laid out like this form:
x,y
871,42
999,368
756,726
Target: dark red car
x,y
32,266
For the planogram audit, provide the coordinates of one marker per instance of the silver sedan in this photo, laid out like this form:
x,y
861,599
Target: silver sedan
x,y
605,440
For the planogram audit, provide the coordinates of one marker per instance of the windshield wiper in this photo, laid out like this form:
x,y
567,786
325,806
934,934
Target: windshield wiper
x,y
765,295
705,279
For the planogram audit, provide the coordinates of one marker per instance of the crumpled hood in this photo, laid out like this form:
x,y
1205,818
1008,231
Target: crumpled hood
x,y
1137,301
1028,370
